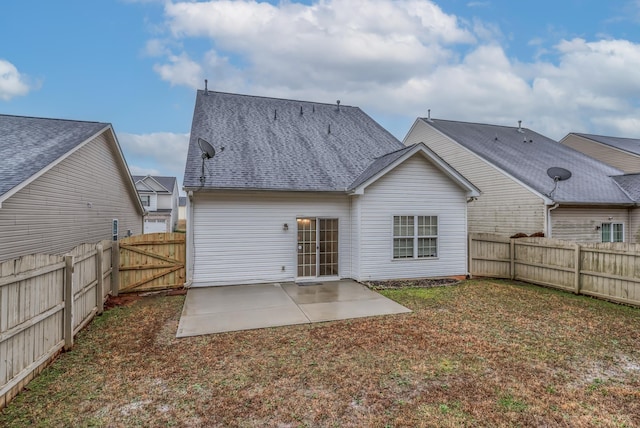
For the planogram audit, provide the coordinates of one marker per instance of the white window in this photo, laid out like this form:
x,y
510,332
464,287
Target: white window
x,y
146,200
415,237
612,232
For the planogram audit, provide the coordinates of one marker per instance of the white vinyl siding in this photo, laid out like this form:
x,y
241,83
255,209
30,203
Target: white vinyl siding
x,y
504,206
415,186
73,203
583,224
240,237
627,162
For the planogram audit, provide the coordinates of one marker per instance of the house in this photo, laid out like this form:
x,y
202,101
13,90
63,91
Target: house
x,y
62,183
159,196
301,191
182,213
520,194
621,153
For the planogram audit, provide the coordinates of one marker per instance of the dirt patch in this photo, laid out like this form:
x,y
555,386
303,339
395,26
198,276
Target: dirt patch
x,y
130,298
121,300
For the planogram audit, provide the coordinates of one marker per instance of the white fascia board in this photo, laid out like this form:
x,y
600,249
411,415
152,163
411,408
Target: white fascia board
x,y
472,191
158,183
545,198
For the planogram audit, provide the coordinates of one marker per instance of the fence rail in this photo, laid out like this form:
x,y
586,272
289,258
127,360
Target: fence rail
x,y
608,271
44,301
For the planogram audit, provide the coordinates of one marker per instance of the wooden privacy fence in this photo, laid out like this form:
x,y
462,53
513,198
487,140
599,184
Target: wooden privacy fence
x,y
152,261
608,271
45,300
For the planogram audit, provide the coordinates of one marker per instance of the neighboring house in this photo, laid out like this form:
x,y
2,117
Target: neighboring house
x,y
510,167
309,191
182,214
159,196
621,153
62,183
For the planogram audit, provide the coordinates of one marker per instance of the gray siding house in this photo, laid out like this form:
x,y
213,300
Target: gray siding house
x,y
301,191
62,183
159,196
510,167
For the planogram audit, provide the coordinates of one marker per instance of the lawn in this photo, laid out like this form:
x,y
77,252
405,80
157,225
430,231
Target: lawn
x,y
481,353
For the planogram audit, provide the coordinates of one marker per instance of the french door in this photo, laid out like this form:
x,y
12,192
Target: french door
x,y
317,247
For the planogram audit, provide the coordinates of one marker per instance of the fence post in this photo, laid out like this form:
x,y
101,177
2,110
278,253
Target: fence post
x,y
115,268
576,264
469,254
512,258
68,302
100,278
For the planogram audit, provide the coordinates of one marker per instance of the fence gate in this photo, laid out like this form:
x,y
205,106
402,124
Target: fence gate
x,y
153,261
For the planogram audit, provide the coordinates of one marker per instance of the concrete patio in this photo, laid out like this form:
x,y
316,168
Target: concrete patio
x,y
244,307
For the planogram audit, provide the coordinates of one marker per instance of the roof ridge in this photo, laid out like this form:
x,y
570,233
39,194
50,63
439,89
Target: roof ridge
x,y
54,118
426,119
605,136
264,97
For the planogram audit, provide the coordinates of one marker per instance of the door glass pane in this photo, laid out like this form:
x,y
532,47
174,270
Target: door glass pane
x,y
306,247
328,255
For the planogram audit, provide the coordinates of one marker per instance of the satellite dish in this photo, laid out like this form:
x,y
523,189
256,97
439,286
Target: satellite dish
x,y
558,174
207,149
208,152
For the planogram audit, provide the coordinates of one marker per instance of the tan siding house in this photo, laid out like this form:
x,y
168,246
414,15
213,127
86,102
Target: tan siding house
x,y
621,153
510,166
506,206
64,183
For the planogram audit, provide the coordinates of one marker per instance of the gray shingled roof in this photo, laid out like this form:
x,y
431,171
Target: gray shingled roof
x,y
29,144
505,147
278,144
631,145
166,182
630,183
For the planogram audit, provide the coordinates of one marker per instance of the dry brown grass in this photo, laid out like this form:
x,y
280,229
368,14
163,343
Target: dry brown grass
x,y
481,353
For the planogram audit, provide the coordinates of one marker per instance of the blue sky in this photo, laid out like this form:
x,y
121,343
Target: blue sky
x,y
560,66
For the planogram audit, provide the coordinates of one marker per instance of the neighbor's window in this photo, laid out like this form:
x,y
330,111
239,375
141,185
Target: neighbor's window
x,y
612,232
146,200
415,236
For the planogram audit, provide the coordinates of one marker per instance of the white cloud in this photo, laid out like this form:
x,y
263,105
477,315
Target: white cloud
x,y
12,82
180,70
159,153
399,58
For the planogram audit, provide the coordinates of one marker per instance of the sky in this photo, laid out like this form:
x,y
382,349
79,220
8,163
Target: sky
x,y
559,66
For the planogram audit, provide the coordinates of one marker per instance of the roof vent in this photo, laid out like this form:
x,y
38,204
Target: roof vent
x,y
520,130
206,90
338,102
429,115
300,110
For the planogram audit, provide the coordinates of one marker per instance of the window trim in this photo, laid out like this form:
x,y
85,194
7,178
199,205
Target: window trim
x,y
611,231
415,237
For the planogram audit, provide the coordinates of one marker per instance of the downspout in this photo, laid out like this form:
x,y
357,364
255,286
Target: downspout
x,y
190,244
547,232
